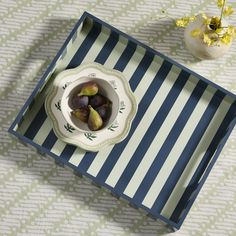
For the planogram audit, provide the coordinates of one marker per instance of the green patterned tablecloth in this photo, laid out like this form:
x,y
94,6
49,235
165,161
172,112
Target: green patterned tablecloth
x,y
39,198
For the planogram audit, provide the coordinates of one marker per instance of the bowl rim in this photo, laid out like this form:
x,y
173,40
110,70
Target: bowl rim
x,y
109,141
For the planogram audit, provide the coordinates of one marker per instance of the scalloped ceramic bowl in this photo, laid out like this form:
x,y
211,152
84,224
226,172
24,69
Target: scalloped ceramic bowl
x,y
112,84
105,88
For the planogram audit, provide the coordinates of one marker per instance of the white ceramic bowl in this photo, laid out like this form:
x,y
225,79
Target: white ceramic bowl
x,y
113,84
105,89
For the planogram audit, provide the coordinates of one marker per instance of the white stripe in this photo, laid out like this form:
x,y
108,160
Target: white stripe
x,y
58,147
40,136
73,47
148,78
99,161
104,153
143,126
177,150
134,62
30,115
97,45
116,52
77,156
195,159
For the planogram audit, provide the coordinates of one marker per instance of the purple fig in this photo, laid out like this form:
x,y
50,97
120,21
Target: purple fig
x,y
104,111
97,100
79,101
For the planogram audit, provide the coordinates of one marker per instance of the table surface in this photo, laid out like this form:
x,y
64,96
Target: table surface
x,y
38,197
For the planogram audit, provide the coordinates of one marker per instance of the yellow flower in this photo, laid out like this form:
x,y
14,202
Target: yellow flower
x,y
228,11
180,23
219,30
226,39
220,3
192,18
231,31
206,39
183,22
195,32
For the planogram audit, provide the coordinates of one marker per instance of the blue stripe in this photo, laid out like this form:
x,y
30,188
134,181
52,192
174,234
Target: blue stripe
x,y
68,152
50,140
193,184
141,70
135,161
108,47
126,56
154,128
36,123
147,138
187,153
85,46
142,107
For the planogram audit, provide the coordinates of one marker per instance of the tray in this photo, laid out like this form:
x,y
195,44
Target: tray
x,y
182,123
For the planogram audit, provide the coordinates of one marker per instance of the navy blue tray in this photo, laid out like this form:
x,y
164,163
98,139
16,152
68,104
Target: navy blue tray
x,y
182,123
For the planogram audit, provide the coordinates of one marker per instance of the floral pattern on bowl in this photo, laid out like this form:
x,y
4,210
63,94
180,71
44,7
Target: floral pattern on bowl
x,y
91,140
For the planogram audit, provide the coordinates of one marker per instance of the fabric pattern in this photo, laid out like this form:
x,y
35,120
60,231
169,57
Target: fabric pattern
x,y
38,197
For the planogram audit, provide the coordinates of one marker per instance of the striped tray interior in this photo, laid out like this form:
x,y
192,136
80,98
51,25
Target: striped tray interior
x,y
180,122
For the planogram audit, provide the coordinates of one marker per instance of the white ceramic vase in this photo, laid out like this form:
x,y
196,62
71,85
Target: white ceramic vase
x,y
196,45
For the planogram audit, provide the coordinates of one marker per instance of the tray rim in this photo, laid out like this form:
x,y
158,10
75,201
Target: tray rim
x,y
155,52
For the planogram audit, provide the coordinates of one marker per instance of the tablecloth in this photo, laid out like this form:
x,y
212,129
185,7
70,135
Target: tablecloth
x,y
38,197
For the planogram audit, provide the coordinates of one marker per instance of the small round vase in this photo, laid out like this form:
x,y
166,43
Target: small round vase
x,y
196,45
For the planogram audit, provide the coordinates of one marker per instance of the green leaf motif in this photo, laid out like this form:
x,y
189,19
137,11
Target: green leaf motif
x,y
112,127
58,105
66,84
64,87
90,136
69,128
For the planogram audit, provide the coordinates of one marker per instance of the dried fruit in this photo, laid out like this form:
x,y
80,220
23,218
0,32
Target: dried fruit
x,y
95,121
88,89
81,113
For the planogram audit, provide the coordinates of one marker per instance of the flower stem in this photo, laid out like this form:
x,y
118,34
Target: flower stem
x,y
222,10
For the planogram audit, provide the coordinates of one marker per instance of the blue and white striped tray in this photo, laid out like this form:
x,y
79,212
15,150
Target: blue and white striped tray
x,y
182,123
